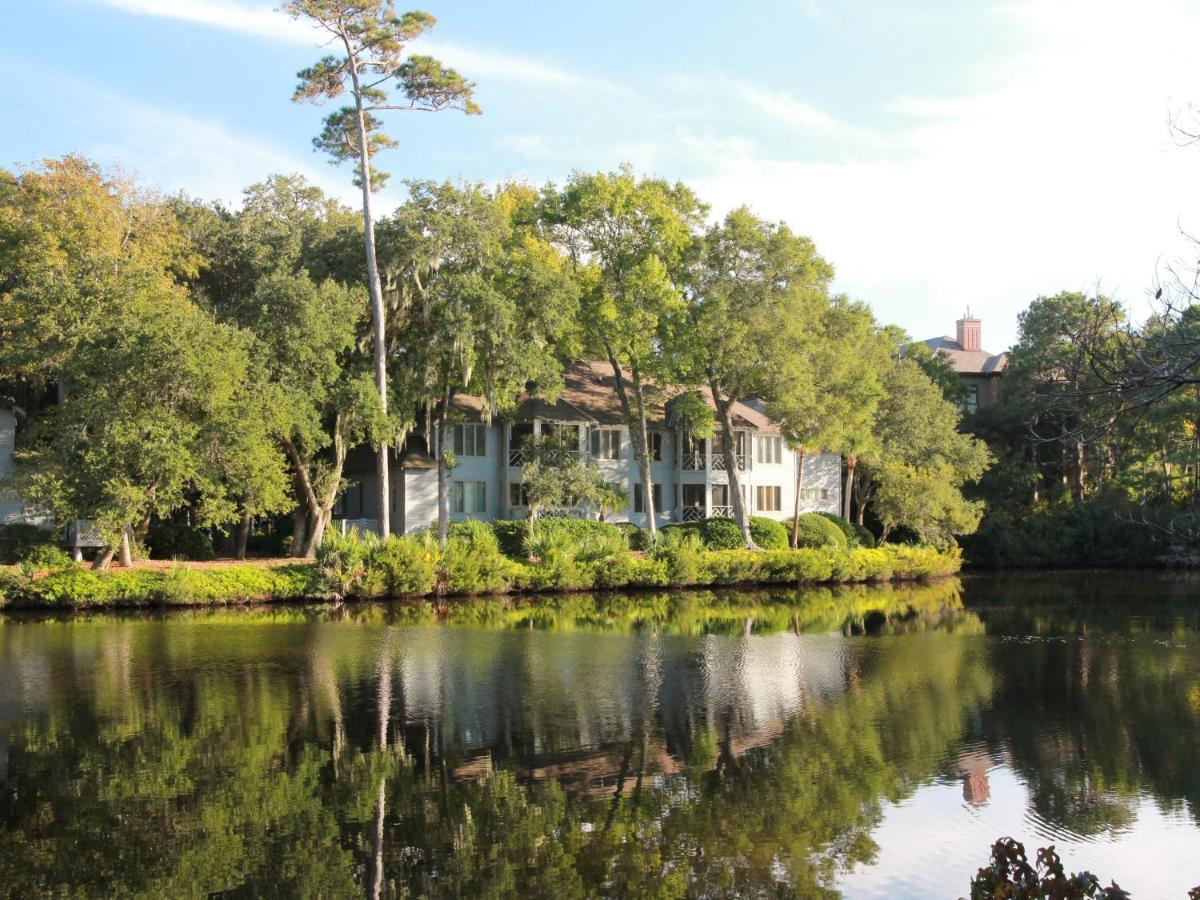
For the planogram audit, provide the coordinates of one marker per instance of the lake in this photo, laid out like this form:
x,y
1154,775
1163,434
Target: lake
x,y
866,741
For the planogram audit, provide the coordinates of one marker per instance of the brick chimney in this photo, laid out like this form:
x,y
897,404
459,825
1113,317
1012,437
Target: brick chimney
x,y
968,333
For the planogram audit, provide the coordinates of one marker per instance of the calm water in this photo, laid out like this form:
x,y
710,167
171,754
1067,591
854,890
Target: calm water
x,y
870,742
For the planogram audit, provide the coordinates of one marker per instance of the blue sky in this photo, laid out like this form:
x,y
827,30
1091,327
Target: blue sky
x,y
940,154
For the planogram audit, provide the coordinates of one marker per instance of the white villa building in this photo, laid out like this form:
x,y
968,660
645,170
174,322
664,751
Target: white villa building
x,y
11,509
690,475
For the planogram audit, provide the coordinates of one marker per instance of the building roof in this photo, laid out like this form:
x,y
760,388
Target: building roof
x,y
589,395
968,362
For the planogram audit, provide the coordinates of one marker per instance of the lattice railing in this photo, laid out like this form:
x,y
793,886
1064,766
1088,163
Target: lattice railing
x,y
693,513
693,462
362,526
722,512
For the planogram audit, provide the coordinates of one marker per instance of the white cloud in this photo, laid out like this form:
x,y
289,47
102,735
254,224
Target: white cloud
x,y
266,21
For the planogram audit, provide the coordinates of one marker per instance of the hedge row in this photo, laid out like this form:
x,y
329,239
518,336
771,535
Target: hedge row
x,y
471,564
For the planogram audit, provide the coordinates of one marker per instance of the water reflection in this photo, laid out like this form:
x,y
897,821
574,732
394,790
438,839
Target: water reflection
x,y
669,744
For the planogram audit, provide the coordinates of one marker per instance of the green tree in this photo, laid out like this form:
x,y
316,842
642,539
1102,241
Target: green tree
x,y
372,38
923,460
755,298
258,275
489,306
631,240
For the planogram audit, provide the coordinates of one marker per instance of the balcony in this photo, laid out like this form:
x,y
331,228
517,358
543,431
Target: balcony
x,y
720,463
722,512
693,514
693,462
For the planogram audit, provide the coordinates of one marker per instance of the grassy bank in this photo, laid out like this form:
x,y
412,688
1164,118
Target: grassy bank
x,y
411,568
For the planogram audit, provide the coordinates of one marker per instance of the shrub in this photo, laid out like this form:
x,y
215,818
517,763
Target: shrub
x,y
637,537
166,540
768,534
628,570
407,565
864,535
734,566
18,541
472,562
681,551
721,534
342,562
602,545
512,533
845,526
556,566
1011,875
45,558
818,531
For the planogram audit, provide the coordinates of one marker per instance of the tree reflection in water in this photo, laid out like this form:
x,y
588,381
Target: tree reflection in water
x,y
658,744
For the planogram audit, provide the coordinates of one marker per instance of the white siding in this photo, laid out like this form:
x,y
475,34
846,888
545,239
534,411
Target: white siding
x,y
11,509
420,499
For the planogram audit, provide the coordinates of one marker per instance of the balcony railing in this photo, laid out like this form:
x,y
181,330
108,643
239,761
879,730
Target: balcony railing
x,y
693,462
362,526
722,512
516,456
693,513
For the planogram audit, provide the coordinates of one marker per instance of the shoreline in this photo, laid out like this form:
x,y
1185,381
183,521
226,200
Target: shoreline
x,y
249,583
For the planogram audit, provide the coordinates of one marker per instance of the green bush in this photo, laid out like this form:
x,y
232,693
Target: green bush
x,y
555,557
512,532
864,535
845,526
45,558
682,552
768,534
818,531
721,534
167,540
472,562
18,541
628,570
342,563
407,565
637,537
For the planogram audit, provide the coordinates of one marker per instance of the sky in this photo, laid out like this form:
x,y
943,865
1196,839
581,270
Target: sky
x,y
941,155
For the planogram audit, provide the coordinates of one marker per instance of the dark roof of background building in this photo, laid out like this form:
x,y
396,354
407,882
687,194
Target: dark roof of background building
x,y
968,362
589,395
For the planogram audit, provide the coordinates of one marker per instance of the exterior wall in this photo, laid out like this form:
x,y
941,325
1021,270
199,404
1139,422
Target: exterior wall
x,y
988,387
415,501
11,509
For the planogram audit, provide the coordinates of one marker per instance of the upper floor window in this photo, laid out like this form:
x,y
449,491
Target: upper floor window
x,y
468,440
468,497
606,443
770,450
654,440
972,402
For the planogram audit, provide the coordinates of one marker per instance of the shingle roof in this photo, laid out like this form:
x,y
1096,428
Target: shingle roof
x,y
968,362
590,395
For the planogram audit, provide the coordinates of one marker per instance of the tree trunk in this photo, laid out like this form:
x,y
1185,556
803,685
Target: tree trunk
x,y
636,417
126,550
299,528
725,414
851,464
375,288
800,454
243,536
103,559
319,509
443,487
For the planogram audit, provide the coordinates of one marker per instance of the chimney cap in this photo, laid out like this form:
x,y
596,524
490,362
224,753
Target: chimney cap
x,y
967,317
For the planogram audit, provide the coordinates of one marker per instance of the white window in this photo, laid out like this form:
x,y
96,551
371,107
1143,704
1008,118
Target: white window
x,y
469,497
814,494
654,440
770,450
972,404
606,443
769,498
468,440
656,493
517,495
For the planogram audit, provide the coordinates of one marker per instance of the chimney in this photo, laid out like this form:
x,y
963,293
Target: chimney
x,y
968,332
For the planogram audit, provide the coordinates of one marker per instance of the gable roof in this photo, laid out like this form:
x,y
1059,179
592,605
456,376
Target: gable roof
x,y
967,362
589,395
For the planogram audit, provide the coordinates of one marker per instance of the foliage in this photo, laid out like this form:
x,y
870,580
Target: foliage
x,y
512,533
682,551
406,565
557,565
18,540
847,528
45,558
768,534
1011,876
817,531
472,562
169,540
719,533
